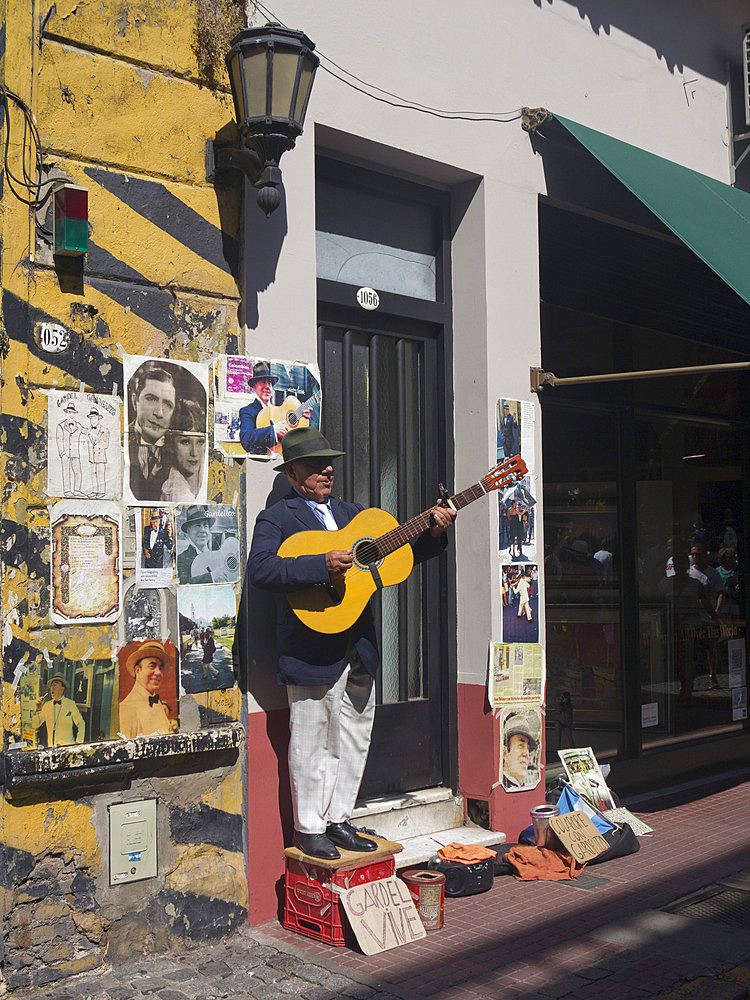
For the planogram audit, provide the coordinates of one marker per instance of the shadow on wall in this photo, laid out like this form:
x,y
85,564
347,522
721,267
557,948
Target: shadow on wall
x,y
256,663
264,238
703,42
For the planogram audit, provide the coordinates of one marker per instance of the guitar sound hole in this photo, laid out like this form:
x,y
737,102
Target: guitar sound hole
x,y
366,553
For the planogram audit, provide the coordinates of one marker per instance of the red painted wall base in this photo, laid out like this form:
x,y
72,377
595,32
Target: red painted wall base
x,y
479,764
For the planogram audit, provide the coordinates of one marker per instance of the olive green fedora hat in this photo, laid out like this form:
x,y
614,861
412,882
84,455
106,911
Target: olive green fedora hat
x,y
305,442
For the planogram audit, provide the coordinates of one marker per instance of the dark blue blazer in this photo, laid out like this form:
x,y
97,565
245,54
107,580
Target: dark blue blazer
x,y
308,657
255,440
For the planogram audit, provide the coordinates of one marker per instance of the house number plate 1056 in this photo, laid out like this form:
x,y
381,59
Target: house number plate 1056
x,y
368,298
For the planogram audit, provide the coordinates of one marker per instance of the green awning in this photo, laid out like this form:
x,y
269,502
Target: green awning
x,y
712,218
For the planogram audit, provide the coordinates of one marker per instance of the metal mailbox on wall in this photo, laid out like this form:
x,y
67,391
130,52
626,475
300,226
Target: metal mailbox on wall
x,y
132,841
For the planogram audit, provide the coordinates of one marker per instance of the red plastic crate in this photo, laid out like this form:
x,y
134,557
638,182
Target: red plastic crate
x,y
313,908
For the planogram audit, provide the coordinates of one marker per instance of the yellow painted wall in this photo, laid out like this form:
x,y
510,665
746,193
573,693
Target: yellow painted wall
x,y
124,104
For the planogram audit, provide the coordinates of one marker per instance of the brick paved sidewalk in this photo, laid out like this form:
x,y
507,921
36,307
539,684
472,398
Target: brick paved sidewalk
x,y
602,936
553,939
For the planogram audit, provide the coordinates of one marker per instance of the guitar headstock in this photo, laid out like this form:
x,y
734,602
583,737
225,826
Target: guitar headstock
x,y
504,473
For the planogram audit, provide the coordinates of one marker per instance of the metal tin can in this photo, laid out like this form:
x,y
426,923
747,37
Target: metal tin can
x,y
540,817
427,889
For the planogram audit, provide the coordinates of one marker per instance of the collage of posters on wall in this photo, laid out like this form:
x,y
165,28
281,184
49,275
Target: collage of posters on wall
x,y
516,675
257,401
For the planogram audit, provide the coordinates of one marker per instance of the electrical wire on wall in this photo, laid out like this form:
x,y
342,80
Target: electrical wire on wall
x,y
394,100
28,187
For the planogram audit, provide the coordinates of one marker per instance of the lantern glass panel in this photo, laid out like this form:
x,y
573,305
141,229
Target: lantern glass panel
x,y
254,69
235,77
284,75
305,82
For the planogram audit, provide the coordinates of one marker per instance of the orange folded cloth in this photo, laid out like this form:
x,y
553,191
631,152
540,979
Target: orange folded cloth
x,y
466,854
542,864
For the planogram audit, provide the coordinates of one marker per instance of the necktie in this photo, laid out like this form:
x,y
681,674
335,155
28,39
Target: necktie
x,y
325,516
153,699
56,702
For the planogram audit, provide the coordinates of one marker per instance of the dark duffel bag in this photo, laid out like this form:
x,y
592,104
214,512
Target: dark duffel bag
x,y
621,843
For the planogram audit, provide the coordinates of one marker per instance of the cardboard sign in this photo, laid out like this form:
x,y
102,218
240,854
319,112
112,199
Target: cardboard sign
x,y
382,915
579,836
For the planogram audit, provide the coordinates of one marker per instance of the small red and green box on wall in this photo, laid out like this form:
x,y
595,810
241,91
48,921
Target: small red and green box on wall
x,y
71,220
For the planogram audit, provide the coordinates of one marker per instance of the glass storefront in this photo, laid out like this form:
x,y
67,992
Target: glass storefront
x,y
645,496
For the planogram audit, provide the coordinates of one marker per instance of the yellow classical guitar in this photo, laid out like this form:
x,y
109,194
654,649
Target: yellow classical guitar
x,y
381,553
289,413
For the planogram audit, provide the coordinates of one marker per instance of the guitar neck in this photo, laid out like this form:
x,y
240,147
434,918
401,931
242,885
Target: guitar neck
x,y
404,533
303,406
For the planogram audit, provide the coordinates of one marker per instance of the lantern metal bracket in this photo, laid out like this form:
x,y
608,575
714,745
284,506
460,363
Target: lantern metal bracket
x,y
258,159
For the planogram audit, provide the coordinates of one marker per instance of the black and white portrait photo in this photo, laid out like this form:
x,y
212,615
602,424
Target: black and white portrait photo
x,y
166,405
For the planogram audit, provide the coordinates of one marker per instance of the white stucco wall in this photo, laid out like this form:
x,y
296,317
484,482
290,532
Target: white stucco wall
x,y
653,75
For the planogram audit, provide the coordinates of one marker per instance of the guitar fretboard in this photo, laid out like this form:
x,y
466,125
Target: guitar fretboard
x,y
404,533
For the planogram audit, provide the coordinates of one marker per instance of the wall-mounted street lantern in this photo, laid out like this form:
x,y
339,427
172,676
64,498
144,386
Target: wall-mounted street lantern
x,y
271,70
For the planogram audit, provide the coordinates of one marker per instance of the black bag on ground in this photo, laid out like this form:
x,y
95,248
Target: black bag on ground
x,y
621,843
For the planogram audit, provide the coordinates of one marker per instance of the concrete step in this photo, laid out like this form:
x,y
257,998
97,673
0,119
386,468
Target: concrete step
x,y
423,821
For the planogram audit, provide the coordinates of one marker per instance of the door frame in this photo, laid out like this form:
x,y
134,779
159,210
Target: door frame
x,y
421,320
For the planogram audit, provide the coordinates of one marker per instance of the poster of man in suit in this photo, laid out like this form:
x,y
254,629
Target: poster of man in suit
x,y
155,544
258,401
84,452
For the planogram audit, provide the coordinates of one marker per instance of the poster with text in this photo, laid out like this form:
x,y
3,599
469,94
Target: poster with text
x,y
285,395
155,546
520,749
148,689
86,563
208,544
84,450
519,587
207,625
516,674
233,373
166,445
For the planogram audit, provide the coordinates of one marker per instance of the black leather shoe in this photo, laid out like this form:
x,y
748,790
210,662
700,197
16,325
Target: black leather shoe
x,y
346,836
316,845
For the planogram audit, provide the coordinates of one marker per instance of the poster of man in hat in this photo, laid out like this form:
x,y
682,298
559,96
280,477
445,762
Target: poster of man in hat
x,y
166,407
148,689
84,456
284,395
208,547
155,543
59,714
520,729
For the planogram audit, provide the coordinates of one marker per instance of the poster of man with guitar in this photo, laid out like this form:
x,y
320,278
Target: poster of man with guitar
x,y
208,547
323,558
270,415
